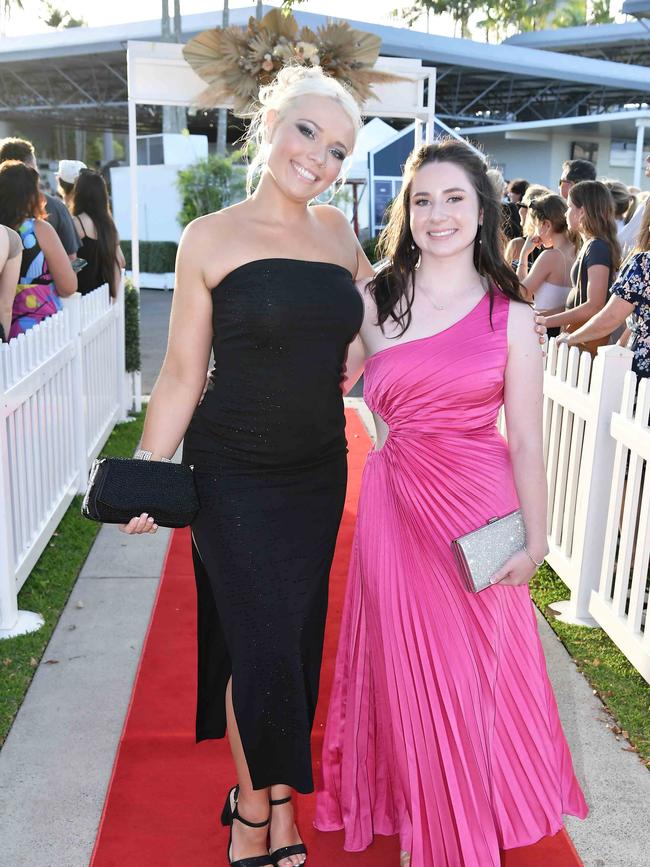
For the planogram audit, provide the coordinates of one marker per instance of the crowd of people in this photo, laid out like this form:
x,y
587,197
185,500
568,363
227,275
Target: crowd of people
x,y
51,246
583,258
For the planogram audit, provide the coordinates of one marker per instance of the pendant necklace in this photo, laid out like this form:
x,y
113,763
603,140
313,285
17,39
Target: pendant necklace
x,y
425,294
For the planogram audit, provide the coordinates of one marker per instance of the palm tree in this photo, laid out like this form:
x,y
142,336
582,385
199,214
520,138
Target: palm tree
x,y
174,117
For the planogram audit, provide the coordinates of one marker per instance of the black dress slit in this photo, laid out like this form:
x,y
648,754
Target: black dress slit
x,y
269,454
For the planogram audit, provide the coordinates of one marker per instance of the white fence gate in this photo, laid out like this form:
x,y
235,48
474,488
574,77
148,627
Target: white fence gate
x,y
62,389
597,453
579,399
620,603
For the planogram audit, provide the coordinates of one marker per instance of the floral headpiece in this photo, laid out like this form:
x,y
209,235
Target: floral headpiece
x,y
235,61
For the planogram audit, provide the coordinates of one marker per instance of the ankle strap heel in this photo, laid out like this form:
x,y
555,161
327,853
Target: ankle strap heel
x,y
279,801
231,814
286,851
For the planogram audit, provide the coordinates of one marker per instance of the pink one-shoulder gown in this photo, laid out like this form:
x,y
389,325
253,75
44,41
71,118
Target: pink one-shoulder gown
x,y
443,726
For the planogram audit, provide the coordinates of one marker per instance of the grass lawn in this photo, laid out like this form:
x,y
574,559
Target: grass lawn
x,y
623,691
49,585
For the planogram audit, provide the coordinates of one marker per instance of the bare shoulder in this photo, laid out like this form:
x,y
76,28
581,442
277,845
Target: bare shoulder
x,y
44,231
333,218
209,234
521,326
208,243
334,222
5,238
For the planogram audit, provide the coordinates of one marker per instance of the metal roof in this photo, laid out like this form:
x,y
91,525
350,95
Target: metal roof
x,y
638,8
77,76
627,43
621,124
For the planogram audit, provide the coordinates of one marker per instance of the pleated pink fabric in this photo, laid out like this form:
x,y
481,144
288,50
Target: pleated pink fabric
x,y
442,725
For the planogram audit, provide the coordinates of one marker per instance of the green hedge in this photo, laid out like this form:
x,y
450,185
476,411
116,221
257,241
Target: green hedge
x,y
131,327
156,257
370,249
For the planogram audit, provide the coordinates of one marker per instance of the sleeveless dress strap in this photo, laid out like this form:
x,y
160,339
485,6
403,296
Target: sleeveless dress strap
x,y
83,228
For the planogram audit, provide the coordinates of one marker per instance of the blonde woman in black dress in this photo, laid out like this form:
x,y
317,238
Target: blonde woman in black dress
x,y
268,284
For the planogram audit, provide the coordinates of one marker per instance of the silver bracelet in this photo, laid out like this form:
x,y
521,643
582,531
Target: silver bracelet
x,y
532,558
144,455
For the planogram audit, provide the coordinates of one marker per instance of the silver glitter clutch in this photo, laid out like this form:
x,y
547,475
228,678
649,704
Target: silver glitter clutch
x,y
481,553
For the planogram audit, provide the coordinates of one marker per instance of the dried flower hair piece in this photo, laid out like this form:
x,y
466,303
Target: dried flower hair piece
x,y
235,61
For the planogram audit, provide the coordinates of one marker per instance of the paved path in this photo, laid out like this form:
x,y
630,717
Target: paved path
x,y
154,324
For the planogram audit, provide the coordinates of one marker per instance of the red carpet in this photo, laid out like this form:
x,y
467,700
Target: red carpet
x,y
163,797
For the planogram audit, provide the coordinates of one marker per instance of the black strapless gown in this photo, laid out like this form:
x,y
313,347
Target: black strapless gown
x,y
269,452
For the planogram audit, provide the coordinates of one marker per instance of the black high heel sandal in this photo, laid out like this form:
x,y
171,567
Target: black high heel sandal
x,y
229,814
286,851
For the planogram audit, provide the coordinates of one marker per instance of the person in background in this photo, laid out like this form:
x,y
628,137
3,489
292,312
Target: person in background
x,y
56,212
629,297
516,189
625,202
628,234
11,249
514,248
510,224
67,174
548,282
46,273
591,214
574,171
100,244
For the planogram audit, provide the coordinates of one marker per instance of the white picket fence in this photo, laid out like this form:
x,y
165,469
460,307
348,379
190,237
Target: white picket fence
x,y
620,602
62,389
596,448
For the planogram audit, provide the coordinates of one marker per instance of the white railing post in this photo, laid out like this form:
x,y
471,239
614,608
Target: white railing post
x,y
73,307
12,621
608,375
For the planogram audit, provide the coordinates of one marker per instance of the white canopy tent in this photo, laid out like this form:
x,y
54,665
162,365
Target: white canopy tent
x,y
159,75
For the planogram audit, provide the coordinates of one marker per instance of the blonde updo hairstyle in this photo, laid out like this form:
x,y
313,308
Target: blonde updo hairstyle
x,y
291,83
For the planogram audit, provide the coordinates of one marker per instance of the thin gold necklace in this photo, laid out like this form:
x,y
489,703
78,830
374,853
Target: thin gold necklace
x,y
424,292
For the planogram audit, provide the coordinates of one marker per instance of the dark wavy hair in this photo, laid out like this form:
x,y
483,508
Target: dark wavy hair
x,y
20,195
598,220
90,196
393,287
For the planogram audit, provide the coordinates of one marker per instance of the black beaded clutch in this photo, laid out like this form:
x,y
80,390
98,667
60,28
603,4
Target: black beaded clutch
x,y
120,489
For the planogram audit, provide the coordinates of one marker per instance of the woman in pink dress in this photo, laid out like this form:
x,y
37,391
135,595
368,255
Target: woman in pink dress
x,y
443,727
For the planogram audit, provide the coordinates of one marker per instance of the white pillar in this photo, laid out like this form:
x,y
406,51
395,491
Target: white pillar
x,y
133,170
107,141
638,155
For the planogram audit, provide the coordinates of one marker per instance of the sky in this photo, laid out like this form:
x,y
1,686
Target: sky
x,y
99,12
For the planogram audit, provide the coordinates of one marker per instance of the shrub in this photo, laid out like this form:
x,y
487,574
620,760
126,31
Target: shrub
x,y
131,326
370,249
210,185
156,257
